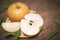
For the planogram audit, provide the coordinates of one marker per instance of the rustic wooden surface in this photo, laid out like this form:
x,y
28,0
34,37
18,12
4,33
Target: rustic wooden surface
x,y
48,9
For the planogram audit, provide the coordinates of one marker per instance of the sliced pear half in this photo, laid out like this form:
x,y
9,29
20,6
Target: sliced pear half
x,y
31,23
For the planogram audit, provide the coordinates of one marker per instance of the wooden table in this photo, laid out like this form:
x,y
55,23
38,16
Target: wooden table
x,y
48,9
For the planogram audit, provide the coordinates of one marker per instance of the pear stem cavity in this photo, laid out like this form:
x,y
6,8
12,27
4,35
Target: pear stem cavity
x,y
18,7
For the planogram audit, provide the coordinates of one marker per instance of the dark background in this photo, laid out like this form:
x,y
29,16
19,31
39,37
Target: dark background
x,y
48,9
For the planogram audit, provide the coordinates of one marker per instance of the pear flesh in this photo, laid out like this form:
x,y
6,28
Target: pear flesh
x,y
11,26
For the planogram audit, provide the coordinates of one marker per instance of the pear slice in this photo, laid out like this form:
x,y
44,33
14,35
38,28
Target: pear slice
x,y
31,23
11,26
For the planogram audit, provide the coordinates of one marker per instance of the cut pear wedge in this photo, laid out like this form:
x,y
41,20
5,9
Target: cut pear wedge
x,y
11,26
